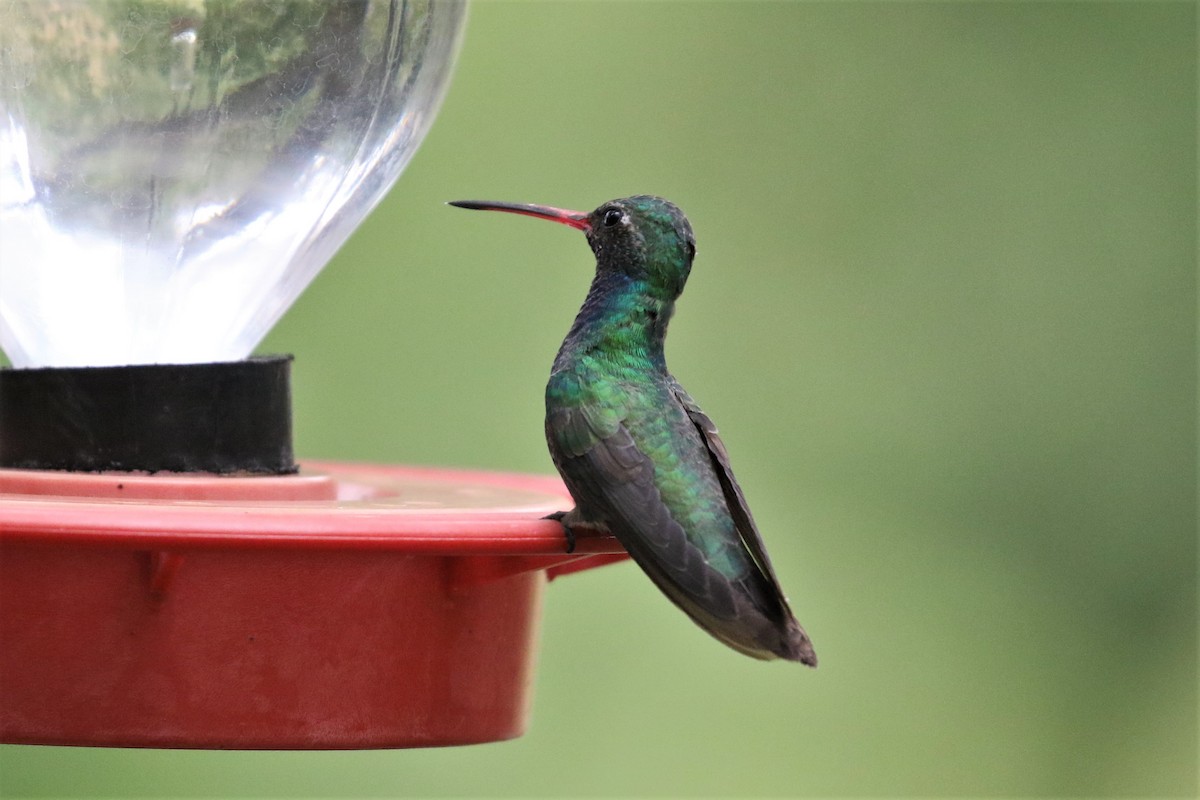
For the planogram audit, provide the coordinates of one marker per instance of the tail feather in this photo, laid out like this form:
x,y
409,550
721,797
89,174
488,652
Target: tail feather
x,y
748,629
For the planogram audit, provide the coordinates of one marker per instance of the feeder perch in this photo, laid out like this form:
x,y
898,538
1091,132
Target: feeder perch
x,y
172,175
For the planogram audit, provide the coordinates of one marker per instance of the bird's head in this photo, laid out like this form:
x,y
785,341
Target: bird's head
x,y
643,237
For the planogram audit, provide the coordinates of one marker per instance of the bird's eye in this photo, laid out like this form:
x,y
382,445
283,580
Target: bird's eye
x,y
612,217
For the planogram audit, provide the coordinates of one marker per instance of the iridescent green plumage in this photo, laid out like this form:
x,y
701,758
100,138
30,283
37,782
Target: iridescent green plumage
x,y
637,454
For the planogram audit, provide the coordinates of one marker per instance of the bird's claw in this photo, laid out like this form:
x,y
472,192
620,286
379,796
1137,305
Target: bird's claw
x,y
557,516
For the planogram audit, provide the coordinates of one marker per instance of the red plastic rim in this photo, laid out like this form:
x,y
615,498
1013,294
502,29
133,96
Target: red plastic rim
x,y
422,510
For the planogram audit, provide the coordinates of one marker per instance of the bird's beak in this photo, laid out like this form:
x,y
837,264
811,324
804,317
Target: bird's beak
x,y
576,219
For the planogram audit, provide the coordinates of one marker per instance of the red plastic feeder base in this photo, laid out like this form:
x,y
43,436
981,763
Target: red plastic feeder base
x,y
349,606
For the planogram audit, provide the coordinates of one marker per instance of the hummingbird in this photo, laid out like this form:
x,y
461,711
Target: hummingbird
x,y
639,457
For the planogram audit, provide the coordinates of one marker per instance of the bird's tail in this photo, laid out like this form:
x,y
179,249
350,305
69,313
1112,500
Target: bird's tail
x,y
742,624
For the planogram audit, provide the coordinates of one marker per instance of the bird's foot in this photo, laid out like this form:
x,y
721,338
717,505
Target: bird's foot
x,y
559,517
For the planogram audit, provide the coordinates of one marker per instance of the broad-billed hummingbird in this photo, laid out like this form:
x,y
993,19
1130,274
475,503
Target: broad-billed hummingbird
x,y
639,457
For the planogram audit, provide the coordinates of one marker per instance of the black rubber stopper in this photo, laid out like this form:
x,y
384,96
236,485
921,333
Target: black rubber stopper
x,y
231,417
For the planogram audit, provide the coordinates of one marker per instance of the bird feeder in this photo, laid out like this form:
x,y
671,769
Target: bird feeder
x,y
173,173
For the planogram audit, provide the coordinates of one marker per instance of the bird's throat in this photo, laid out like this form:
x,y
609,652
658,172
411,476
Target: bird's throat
x,y
620,319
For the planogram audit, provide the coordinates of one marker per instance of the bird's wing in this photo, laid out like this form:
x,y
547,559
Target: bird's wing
x,y
613,482
612,479
736,501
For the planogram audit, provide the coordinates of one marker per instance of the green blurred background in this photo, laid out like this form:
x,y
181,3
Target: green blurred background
x,y
944,312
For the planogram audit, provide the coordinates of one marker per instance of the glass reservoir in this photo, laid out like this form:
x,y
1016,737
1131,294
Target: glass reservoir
x,y
173,173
